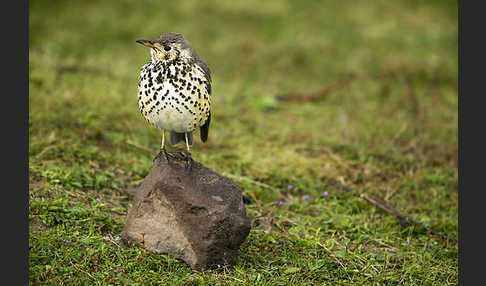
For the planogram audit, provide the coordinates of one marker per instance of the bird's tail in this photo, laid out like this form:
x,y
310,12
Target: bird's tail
x,y
176,137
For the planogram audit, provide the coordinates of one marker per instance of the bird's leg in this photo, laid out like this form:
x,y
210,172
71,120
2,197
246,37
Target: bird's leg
x,y
162,146
188,154
187,142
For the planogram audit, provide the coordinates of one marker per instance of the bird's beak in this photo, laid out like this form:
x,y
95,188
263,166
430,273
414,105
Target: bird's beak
x,y
146,43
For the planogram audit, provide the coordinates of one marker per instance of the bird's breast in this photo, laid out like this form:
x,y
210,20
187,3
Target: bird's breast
x,y
173,97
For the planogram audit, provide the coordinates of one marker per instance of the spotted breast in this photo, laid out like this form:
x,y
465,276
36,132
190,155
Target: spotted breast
x,y
174,96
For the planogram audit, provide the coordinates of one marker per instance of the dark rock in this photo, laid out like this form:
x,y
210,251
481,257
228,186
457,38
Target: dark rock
x,y
188,211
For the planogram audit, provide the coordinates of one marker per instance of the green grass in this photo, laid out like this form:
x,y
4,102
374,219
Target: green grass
x,y
392,136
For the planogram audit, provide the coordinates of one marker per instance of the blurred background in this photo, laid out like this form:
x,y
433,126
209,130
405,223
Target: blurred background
x,y
310,94
84,67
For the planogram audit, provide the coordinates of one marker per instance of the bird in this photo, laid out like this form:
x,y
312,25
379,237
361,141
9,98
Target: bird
x,y
174,89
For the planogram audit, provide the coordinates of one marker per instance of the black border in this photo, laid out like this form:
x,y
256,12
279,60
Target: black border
x,y
15,139
470,171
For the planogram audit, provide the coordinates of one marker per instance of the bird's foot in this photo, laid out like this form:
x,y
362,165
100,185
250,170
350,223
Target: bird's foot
x,y
165,153
189,159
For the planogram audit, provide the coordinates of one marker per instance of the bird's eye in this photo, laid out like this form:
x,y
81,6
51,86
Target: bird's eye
x,y
167,48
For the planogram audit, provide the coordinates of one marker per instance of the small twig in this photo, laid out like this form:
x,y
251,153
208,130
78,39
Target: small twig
x,y
239,280
404,220
138,182
109,238
336,259
257,202
129,142
403,128
319,94
251,181
341,83
84,271
48,148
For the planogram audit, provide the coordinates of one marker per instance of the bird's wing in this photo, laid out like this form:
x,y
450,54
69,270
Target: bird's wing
x,y
204,129
207,73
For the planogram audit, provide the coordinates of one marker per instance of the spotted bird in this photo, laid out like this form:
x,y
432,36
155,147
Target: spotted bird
x,y
174,89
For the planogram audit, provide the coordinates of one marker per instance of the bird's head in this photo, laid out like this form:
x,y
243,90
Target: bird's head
x,y
169,47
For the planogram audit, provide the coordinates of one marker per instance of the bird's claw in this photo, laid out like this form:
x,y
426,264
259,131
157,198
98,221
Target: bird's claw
x,y
189,159
166,154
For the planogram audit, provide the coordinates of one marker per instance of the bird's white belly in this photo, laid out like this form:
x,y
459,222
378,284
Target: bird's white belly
x,y
170,105
167,110
172,120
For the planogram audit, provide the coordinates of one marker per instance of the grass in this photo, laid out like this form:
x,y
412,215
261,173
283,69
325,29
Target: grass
x,y
392,136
